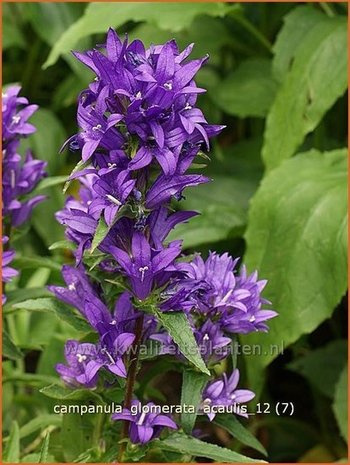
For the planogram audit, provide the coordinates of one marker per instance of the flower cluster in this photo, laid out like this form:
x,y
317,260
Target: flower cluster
x,y
139,133
19,177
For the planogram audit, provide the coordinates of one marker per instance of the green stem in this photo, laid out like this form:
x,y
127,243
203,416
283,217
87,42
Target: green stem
x,y
327,9
130,382
240,19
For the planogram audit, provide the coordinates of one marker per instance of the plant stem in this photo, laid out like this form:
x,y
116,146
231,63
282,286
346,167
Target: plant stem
x,y
246,24
327,9
130,383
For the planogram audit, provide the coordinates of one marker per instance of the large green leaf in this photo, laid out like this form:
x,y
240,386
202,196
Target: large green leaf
x,y
296,238
317,78
248,91
297,24
60,309
322,367
233,426
76,434
191,394
177,325
222,205
98,17
197,448
340,405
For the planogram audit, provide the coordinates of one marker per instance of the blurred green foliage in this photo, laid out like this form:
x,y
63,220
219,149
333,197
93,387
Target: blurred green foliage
x,y
277,78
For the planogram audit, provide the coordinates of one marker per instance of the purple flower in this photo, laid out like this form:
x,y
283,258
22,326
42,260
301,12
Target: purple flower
x,y
145,424
80,224
97,129
224,392
7,271
213,289
144,95
142,266
85,360
112,189
19,177
15,115
212,343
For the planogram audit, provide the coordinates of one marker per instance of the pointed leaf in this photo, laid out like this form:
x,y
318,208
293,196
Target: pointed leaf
x,y
318,77
197,448
231,424
62,310
12,448
191,394
178,327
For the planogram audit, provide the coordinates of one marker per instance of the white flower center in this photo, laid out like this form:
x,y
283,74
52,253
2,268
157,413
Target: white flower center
x,y
111,359
13,179
72,287
81,358
97,127
16,119
206,337
143,270
252,319
141,419
113,199
168,85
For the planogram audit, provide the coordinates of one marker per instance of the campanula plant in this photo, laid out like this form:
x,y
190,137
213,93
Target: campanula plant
x,y
140,131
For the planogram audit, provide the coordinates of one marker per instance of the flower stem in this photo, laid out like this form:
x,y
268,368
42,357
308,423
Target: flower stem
x,y
130,382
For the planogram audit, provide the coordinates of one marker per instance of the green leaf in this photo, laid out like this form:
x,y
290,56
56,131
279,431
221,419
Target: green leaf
x,y
19,295
12,35
49,182
12,448
340,406
239,432
318,77
47,140
98,17
100,233
78,167
44,449
191,394
62,245
297,24
322,367
222,205
197,448
103,229
36,262
178,327
76,435
64,312
247,91
56,391
39,423
296,234
9,349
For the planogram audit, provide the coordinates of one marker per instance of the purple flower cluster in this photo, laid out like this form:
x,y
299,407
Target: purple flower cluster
x,y
19,177
139,133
